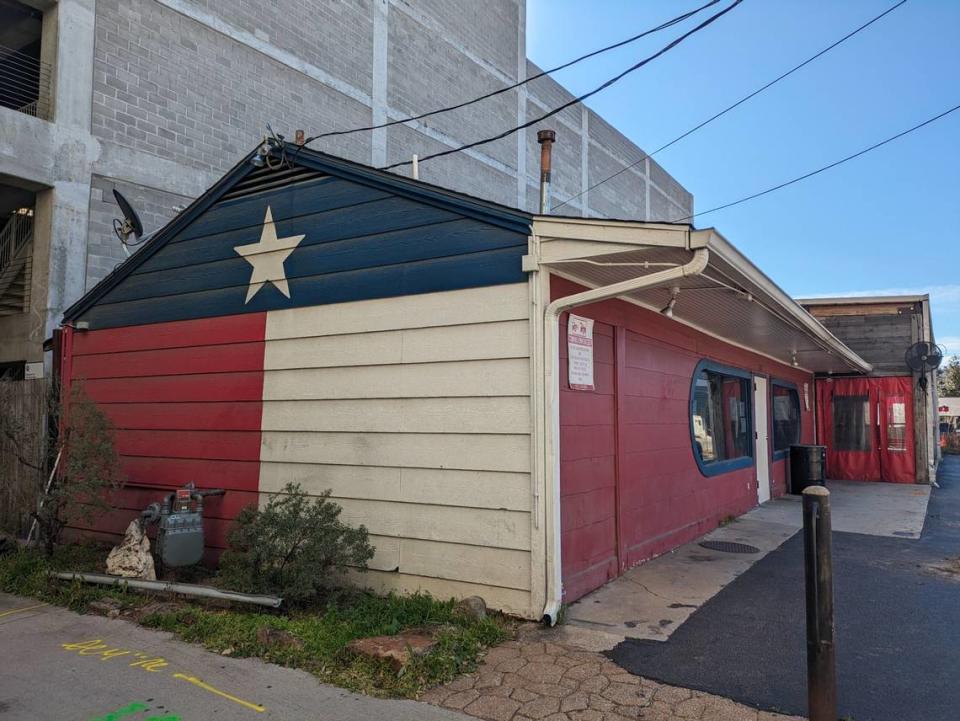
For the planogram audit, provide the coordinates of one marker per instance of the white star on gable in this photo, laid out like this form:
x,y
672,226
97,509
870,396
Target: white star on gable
x,y
267,258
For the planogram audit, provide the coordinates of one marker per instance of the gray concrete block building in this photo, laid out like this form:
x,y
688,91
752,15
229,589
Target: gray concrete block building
x,y
157,98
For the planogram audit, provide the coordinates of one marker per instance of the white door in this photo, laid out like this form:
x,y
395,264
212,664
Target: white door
x,y
760,433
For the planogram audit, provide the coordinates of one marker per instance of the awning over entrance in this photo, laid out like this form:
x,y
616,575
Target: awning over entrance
x,y
731,299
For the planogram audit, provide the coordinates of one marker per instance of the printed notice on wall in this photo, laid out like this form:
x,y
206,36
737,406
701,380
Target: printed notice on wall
x,y
580,353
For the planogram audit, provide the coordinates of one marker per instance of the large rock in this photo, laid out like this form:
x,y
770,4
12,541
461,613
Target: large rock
x,y
397,650
473,608
132,558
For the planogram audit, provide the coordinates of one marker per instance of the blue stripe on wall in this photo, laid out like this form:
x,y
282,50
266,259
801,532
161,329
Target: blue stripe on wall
x,y
456,237
486,267
366,219
359,243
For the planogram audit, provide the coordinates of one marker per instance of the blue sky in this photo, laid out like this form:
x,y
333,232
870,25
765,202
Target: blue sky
x,y
888,222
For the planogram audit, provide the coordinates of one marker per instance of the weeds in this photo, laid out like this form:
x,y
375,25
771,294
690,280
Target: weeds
x,y
324,630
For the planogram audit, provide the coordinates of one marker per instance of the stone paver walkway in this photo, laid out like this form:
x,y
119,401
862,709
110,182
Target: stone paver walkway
x,y
537,680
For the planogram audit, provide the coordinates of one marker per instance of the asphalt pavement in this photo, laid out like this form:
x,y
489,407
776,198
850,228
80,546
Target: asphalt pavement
x,y
897,620
56,665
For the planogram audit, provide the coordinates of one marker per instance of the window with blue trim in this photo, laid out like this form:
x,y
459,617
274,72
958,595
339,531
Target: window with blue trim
x,y
785,402
721,413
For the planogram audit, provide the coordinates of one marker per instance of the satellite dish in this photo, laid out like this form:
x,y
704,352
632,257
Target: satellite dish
x,y
130,225
924,357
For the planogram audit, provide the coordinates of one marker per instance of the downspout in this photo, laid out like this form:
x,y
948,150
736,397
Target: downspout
x,y
551,395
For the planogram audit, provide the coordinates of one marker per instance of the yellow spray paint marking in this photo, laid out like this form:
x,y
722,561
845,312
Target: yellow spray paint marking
x,y
142,661
207,687
18,610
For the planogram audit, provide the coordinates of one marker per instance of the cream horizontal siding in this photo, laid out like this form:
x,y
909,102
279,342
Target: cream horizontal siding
x,y
501,377
507,339
415,413
408,450
430,310
395,415
509,600
445,487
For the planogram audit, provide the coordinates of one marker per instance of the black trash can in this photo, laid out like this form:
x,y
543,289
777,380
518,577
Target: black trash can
x,y
808,467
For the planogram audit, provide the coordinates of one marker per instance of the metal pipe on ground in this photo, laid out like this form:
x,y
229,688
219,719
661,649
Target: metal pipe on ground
x,y
184,589
818,571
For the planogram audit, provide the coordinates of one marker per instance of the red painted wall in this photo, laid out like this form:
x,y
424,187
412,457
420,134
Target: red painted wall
x,y
629,485
185,401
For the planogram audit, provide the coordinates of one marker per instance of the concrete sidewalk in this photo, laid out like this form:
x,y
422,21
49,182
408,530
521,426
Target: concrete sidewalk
x,y
57,665
897,603
653,600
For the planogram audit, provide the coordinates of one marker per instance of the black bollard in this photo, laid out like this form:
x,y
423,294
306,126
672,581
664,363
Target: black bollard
x,y
818,568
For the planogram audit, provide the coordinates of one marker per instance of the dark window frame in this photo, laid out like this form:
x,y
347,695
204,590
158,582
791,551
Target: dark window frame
x,y
715,468
784,452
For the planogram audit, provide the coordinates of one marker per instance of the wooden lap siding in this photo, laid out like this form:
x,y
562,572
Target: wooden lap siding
x,y
184,399
396,372
663,499
588,471
358,243
415,412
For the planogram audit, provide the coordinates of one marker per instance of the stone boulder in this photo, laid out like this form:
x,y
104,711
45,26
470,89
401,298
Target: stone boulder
x,y
397,650
132,558
472,607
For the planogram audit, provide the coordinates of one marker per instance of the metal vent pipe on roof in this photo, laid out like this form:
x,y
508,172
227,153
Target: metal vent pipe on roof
x,y
546,138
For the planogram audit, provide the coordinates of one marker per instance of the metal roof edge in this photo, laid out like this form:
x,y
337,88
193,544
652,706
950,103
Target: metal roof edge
x,y
161,237
863,299
486,211
728,252
479,208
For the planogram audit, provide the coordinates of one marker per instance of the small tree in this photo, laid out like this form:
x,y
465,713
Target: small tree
x,y
295,546
948,379
89,469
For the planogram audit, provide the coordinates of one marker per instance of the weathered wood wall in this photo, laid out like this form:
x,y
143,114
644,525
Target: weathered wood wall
x,y
24,406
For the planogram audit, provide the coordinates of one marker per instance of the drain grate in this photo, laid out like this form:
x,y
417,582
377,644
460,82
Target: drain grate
x,y
729,547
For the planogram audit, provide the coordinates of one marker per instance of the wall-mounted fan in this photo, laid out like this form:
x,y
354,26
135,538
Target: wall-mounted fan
x,y
924,357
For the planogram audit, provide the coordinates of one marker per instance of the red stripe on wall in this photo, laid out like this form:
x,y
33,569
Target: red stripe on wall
x,y
179,334
185,399
239,416
175,472
171,361
222,387
212,444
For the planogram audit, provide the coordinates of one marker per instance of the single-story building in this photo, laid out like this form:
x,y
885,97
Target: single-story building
x,y
516,406
882,426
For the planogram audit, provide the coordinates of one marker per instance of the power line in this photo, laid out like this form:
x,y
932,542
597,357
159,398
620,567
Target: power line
x,y
824,168
726,110
576,100
628,41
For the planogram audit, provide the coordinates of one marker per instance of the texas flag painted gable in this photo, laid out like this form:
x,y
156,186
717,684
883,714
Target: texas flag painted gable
x,y
222,316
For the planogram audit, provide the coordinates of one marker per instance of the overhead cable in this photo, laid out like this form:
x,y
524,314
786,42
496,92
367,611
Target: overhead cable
x,y
508,88
822,169
726,110
574,101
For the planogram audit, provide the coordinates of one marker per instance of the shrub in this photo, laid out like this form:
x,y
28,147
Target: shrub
x,y
89,470
296,547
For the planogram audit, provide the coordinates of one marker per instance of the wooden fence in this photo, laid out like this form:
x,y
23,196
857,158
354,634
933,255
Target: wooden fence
x,y
24,449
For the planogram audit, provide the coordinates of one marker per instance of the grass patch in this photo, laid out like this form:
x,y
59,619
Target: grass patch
x,y
323,631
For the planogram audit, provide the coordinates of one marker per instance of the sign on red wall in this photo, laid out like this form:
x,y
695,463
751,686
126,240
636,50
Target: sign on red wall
x,y
580,353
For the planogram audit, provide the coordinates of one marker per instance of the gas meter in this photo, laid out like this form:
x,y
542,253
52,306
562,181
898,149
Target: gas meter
x,y
180,517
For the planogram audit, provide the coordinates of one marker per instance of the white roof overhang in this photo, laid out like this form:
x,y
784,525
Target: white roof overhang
x,y
731,299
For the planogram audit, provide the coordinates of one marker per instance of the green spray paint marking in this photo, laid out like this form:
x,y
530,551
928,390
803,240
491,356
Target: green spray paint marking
x,y
132,709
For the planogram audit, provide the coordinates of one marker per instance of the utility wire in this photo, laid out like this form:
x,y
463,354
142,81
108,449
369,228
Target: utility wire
x,y
824,168
628,41
726,110
576,100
